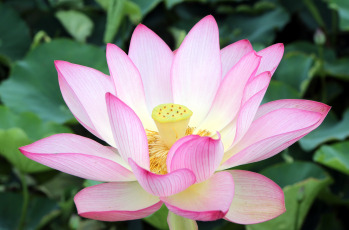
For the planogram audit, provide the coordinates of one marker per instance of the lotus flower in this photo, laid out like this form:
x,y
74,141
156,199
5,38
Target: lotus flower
x,y
175,121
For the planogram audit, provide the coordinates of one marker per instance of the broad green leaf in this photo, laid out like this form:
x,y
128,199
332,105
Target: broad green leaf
x,y
159,218
146,6
331,129
20,130
78,25
10,209
14,34
33,85
279,90
342,6
294,70
301,182
338,68
335,156
257,28
89,183
179,223
10,141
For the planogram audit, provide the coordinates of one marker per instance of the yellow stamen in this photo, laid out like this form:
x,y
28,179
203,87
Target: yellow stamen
x,y
172,121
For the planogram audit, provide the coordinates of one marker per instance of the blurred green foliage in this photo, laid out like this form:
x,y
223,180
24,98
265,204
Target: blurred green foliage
x,y
33,33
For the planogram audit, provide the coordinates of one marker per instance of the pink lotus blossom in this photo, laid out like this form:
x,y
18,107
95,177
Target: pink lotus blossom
x,y
171,161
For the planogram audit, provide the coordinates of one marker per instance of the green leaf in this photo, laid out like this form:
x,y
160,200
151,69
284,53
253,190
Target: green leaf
x,y
20,130
298,78
335,156
279,90
338,68
159,218
330,130
146,6
14,34
33,85
179,223
301,182
76,23
257,28
342,6
11,204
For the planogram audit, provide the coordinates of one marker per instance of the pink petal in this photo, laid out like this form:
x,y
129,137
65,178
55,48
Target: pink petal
x,y
84,90
153,59
202,155
163,185
271,134
227,101
128,83
231,54
256,199
80,157
206,201
271,57
116,201
176,222
196,69
253,96
129,134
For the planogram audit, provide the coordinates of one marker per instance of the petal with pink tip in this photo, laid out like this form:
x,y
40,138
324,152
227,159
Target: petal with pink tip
x,y
128,132
271,134
117,201
153,59
256,199
202,155
206,201
176,222
128,83
84,90
163,185
227,101
80,157
231,54
271,57
196,69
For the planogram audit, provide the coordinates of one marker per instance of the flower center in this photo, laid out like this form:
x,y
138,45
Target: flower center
x,y
172,122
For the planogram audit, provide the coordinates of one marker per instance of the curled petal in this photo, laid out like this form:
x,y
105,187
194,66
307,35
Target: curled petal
x,y
202,155
128,132
79,156
117,201
196,69
163,185
271,57
206,201
256,199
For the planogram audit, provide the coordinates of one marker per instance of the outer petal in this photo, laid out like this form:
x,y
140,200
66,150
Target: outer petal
x,y
176,222
202,155
270,134
116,201
229,95
251,99
231,54
79,156
196,69
271,57
128,83
84,90
128,132
163,185
153,59
256,199
206,201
